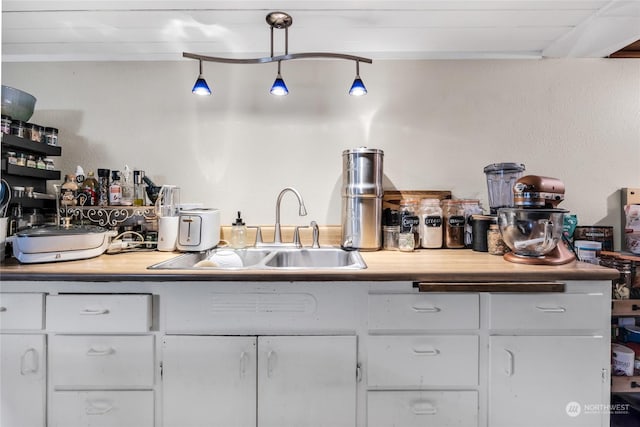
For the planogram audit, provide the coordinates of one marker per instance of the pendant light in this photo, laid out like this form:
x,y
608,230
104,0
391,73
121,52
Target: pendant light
x,y
357,88
279,20
279,88
201,87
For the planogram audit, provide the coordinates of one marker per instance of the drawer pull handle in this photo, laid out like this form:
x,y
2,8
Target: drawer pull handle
x,y
424,408
551,309
29,365
3,309
634,384
94,311
98,408
428,352
100,352
243,363
272,358
510,363
634,307
419,309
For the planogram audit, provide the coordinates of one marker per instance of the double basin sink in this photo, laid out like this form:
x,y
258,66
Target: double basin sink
x,y
266,259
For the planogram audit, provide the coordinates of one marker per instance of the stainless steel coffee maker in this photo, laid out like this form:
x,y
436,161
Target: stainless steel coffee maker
x,y
362,199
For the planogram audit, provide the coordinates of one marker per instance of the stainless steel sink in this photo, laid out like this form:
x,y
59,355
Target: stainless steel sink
x,y
207,260
266,259
316,259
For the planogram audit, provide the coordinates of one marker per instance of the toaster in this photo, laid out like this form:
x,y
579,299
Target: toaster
x,y
198,229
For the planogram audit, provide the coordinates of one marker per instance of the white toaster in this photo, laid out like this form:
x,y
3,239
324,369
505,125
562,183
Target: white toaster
x,y
198,230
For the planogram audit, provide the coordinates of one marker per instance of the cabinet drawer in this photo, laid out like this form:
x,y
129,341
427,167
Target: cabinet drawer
x,y
101,361
422,408
422,361
99,313
101,409
21,311
549,311
423,311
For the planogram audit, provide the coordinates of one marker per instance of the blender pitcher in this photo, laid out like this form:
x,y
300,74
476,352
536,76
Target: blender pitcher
x,y
501,177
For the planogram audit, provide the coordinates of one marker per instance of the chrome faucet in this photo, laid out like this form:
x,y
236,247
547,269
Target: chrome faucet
x,y
277,237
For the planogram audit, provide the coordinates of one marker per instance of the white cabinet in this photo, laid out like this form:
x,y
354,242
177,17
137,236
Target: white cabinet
x,y
22,380
101,360
291,380
549,359
535,380
22,360
209,380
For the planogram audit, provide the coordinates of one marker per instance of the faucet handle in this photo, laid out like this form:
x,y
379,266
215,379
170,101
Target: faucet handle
x,y
296,235
316,235
258,234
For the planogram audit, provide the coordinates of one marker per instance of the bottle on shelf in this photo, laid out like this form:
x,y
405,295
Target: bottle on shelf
x,y
127,187
68,191
90,189
103,187
115,189
138,188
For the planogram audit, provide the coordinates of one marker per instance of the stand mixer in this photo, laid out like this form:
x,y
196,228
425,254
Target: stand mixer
x,y
533,228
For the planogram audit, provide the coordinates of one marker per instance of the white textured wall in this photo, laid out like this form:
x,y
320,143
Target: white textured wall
x,y
439,123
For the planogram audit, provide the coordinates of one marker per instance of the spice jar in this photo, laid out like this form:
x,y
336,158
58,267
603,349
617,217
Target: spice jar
x,y
430,223
410,220
5,124
453,213
406,242
18,128
21,160
31,161
32,132
12,157
40,163
495,243
48,164
51,136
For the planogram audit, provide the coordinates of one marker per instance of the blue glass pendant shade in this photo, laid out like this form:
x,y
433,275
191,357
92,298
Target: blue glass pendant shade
x,y
279,88
357,88
201,87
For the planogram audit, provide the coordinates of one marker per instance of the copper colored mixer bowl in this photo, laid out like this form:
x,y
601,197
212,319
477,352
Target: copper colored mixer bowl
x,y
531,232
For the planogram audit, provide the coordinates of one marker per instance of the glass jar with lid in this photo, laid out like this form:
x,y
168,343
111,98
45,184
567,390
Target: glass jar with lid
x,y
48,164
31,161
18,128
51,135
453,213
410,220
12,157
471,207
5,124
430,223
495,243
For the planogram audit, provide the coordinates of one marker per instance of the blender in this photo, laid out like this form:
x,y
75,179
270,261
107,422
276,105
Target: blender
x,y
501,177
533,228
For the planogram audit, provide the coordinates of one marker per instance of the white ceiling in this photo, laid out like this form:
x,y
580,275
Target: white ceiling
x,y
59,30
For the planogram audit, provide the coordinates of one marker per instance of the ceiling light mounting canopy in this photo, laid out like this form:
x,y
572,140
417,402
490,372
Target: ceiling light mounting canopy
x,y
279,21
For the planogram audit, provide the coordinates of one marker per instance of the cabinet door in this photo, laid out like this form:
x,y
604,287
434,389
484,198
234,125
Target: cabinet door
x,y
546,381
22,380
307,381
209,381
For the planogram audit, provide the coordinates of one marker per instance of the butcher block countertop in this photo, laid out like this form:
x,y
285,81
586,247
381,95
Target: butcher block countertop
x,y
435,268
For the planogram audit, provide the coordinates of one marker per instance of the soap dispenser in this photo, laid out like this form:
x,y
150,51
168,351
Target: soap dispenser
x,y
238,238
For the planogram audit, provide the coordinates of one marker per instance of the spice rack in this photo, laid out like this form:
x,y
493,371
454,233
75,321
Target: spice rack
x,y
108,216
25,176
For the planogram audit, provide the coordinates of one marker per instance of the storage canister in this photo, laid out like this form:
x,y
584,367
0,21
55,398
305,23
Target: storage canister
x,y
410,220
453,212
479,228
431,223
18,128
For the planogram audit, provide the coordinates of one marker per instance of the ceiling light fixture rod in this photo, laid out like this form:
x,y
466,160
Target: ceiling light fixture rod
x,y
267,59
278,20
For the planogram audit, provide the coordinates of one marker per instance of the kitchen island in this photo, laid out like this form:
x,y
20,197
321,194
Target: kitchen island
x,y
444,337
